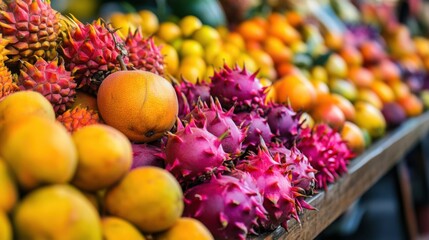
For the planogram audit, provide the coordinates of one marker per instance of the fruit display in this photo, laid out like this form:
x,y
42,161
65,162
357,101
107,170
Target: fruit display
x,y
135,128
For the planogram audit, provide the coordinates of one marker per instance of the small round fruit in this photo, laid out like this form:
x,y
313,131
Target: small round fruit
x,y
306,120
49,155
336,66
57,212
149,22
8,191
330,114
189,25
148,197
186,229
205,35
345,105
297,90
383,91
5,227
24,103
369,96
370,119
169,31
140,104
85,100
191,47
354,137
412,105
171,58
344,88
114,228
104,154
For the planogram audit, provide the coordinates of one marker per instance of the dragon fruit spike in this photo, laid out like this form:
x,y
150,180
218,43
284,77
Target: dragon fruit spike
x,y
255,127
189,95
327,153
284,122
274,182
229,207
303,174
220,124
237,86
193,154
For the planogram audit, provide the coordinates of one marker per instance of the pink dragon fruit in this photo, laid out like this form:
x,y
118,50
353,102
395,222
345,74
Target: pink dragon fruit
x,y
193,153
274,182
220,124
256,127
147,155
284,123
326,151
189,94
236,86
303,174
226,205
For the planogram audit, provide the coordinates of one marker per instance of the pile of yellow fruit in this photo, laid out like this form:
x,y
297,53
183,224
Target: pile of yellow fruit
x,y
80,179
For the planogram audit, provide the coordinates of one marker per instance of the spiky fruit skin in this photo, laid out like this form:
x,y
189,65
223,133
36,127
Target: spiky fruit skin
x,y
50,79
144,54
236,86
326,151
189,94
303,174
7,85
256,127
32,28
147,155
91,53
276,187
284,123
78,117
220,124
193,153
226,205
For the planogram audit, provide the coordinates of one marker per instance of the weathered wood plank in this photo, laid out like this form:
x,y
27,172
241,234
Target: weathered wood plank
x,y
364,171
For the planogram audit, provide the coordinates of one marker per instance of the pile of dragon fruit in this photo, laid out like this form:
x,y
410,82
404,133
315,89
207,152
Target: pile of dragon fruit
x,y
246,166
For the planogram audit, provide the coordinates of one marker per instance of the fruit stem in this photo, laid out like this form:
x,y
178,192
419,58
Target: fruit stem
x,y
119,46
